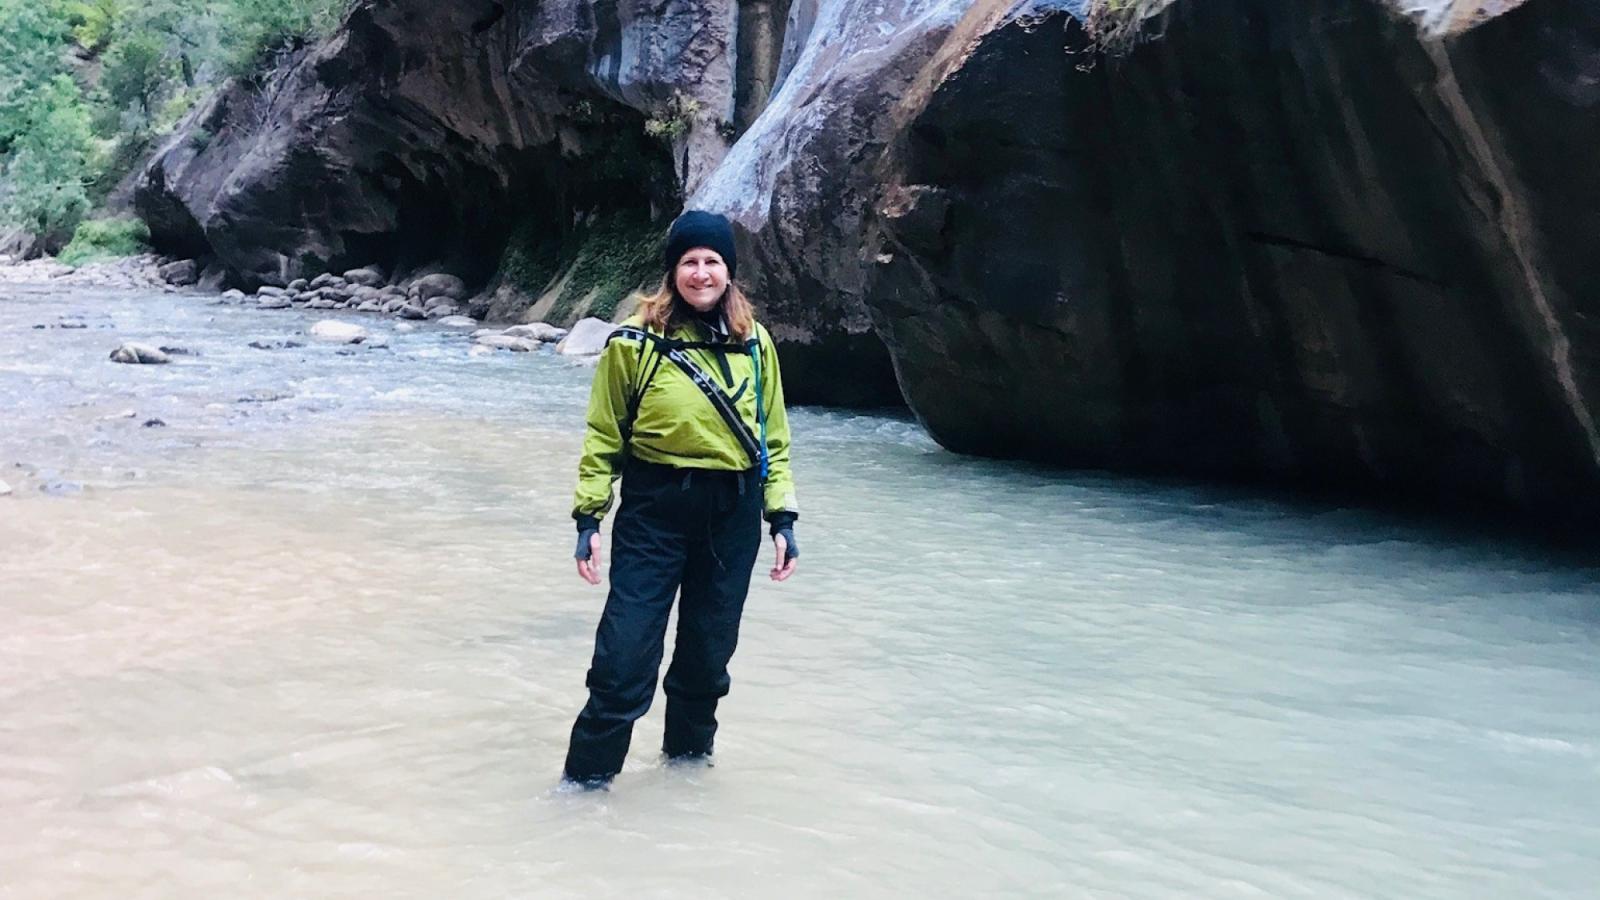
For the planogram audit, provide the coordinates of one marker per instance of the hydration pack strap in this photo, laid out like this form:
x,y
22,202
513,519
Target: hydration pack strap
x,y
673,351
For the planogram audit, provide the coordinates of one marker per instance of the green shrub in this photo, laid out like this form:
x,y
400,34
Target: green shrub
x,y
94,22
44,179
114,160
259,29
674,121
105,239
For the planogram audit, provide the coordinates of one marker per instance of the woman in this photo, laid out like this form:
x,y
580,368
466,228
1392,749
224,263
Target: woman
x,y
687,408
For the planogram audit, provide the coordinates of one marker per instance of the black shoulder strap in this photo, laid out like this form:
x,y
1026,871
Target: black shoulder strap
x,y
667,348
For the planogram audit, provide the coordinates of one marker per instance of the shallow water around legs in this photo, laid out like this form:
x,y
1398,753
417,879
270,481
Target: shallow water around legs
x,y
331,644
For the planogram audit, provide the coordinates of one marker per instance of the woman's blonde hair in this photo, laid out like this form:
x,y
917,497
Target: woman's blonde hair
x,y
660,309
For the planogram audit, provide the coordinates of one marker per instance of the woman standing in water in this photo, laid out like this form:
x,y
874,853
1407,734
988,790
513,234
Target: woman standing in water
x,y
687,409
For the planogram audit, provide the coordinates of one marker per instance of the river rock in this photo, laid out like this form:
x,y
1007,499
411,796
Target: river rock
x,y
456,322
265,395
275,345
271,302
181,272
233,295
411,311
61,487
268,290
443,311
337,331
136,353
404,328
538,331
299,284
501,342
440,284
370,306
587,338
322,303
325,279
480,350
367,276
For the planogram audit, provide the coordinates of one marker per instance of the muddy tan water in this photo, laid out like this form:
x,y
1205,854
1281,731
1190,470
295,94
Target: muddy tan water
x,y
330,644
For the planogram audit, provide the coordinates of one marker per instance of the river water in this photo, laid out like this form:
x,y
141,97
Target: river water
x,y
318,635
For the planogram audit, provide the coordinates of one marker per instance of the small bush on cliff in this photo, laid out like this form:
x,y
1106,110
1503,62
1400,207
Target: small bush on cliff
x,y
673,121
105,238
1116,25
258,30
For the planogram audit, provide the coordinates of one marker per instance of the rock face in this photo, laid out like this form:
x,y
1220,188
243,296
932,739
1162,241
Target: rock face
x,y
430,132
421,131
1286,239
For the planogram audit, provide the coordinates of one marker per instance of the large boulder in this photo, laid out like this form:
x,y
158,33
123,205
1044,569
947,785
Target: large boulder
x,y
439,285
1287,239
587,338
181,272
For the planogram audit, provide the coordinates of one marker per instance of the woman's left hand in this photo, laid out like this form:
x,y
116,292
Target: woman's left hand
x,y
785,561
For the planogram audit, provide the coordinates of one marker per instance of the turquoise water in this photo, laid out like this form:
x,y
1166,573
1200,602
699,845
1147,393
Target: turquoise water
x,y
330,644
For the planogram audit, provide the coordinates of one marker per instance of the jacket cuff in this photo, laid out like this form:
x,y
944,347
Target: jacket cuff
x,y
781,519
586,522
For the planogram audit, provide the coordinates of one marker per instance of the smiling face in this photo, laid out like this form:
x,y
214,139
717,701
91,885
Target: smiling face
x,y
701,277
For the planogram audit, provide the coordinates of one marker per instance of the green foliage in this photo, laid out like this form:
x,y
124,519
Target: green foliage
x,y
611,256
32,36
674,121
528,262
104,239
136,71
113,160
258,29
174,108
42,184
614,255
158,59
93,22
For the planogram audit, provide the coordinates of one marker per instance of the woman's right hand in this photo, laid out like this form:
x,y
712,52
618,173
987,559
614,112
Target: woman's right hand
x,y
589,563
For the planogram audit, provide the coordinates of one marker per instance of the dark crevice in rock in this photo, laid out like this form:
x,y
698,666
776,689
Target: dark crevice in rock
x,y
1275,240
760,45
497,11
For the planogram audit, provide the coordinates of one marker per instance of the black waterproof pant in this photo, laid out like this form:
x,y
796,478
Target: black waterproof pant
x,y
691,529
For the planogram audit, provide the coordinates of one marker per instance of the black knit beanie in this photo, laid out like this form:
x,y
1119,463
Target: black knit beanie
x,y
696,228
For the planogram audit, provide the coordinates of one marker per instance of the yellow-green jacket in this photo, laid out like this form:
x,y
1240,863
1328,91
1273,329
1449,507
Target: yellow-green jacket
x,y
675,423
